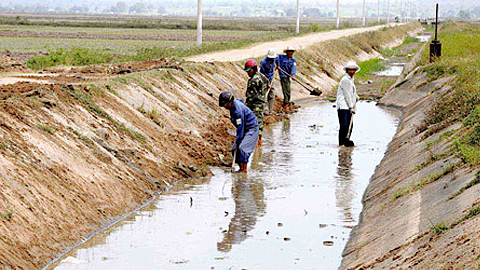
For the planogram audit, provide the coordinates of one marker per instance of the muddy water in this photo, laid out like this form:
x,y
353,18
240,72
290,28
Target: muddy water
x,y
394,69
294,210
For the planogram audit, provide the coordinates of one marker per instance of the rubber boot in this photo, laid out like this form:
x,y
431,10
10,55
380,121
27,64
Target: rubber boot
x,y
349,143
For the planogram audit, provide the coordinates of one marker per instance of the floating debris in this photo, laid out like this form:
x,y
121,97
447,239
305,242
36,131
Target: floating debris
x,y
328,243
279,224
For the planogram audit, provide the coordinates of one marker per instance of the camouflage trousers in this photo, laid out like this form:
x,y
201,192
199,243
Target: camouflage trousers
x,y
259,111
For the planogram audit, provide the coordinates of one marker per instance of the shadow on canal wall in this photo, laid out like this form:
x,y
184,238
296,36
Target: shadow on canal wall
x,y
418,206
76,158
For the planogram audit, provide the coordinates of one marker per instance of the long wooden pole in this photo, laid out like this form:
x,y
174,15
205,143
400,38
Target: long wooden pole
x,y
199,23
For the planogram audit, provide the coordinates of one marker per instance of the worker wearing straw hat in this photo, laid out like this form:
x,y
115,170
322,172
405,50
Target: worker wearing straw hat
x,y
347,98
286,63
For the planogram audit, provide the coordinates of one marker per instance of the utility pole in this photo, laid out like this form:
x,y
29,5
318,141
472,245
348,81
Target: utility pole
x,y
199,23
396,9
378,15
405,9
388,11
297,29
338,13
364,15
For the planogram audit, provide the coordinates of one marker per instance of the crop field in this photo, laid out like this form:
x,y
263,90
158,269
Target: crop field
x,y
43,41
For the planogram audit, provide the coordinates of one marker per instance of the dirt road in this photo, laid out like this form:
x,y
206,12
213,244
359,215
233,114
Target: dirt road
x,y
297,42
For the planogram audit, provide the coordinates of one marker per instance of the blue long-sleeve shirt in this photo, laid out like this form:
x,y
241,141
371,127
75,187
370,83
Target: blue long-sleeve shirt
x,y
243,119
267,67
287,64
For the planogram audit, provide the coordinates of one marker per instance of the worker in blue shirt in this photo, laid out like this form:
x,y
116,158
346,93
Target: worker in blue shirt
x,y
267,68
287,68
247,128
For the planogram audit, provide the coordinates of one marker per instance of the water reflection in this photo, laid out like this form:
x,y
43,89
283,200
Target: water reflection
x,y
248,196
223,222
344,191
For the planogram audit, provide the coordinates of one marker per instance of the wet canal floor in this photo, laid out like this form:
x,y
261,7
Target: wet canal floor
x,y
294,210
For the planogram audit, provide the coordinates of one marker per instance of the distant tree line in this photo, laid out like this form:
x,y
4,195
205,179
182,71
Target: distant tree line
x,y
243,9
118,8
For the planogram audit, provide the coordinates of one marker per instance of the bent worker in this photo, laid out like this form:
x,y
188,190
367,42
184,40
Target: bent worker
x,y
267,68
247,128
288,64
256,90
346,101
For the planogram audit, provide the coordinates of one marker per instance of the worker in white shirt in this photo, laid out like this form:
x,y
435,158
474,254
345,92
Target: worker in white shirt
x,y
347,98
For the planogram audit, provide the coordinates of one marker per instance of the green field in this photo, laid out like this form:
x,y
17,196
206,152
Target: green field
x,y
65,40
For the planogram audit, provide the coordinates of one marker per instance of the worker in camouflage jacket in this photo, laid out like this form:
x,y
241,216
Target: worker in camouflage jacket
x,y
255,95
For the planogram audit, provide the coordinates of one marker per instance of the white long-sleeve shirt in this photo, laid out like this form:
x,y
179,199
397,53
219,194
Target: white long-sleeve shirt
x,y
347,93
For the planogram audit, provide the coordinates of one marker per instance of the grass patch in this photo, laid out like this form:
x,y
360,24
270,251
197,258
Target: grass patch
x,y
417,185
46,128
69,57
442,226
368,67
445,135
134,134
88,101
3,146
473,212
409,40
153,115
460,61
80,136
111,90
470,184
8,215
439,227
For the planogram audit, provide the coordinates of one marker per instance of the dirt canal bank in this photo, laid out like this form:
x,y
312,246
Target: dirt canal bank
x,y
294,210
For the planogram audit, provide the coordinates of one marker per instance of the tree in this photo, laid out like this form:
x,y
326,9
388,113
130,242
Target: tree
x,y
121,7
138,8
476,11
464,14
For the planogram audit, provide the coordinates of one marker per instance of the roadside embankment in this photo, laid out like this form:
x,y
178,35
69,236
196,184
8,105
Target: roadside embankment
x,y
420,209
85,147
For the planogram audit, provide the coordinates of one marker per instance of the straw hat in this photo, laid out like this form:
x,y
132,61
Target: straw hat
x,y
271,53
289,48
351,65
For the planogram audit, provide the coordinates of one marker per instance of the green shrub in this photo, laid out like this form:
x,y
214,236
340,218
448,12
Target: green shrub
x,y
409,40
70,57
368,67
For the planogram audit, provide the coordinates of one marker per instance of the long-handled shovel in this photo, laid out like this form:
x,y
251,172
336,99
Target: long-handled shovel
x,y
314,92
233,162
349,133
270,103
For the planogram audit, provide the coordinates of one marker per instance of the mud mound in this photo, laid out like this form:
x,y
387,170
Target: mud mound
x,y
9,64
280,112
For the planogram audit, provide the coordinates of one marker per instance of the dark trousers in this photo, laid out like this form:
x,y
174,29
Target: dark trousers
x,y
344,117
286,90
